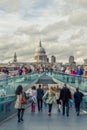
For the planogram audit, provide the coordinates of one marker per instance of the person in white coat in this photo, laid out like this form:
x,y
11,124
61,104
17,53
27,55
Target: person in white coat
x,y
18,104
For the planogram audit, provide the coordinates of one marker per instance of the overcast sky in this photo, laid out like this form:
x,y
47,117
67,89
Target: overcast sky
x,y
61,25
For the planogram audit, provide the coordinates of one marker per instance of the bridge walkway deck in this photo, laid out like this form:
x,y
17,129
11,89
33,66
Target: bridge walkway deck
x,y
41,121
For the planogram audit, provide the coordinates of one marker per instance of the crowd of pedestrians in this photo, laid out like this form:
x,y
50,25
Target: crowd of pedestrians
x,y
23,69
42,97
72,71
34,68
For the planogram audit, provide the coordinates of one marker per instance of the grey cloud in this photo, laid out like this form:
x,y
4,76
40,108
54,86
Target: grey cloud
x,y
29,30
82,1
78,18
20,44
59,24
9,5
64,50
53,32
34,9
78,33
51,38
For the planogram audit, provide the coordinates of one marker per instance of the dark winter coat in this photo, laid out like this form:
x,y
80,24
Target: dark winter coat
x,y
40,93
65,94
78,97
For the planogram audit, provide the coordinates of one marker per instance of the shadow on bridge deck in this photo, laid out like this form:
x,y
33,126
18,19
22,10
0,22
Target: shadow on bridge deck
x,y
41,121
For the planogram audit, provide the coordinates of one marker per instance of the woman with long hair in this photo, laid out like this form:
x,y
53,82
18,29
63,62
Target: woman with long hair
x,y
50,96
18,104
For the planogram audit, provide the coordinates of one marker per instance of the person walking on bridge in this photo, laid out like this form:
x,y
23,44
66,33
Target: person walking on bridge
x,y
20,103
40,93
49,97
77,99
65,96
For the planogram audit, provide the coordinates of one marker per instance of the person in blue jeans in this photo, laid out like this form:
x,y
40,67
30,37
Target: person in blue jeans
x,y
40,94
77,99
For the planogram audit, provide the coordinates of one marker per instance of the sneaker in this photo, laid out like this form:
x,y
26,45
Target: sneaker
x,y
22,120
77,113
18,120
63,114
58,110
67,115
49,114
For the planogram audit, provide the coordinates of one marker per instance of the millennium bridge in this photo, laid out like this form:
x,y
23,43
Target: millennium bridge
x,y
41,121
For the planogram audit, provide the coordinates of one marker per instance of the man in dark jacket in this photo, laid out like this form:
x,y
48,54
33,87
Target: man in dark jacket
x,y
40,94
65,96
77,99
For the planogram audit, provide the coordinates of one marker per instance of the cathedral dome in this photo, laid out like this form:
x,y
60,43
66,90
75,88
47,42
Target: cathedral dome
x,y
40,54
40,49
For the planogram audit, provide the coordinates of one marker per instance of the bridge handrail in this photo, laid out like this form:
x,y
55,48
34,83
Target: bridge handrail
x,y
69,74
74,80
10,84
10,100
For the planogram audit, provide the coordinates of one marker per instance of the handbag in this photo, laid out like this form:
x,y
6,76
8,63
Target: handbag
x,y
23,100
45,97
58,101
70,95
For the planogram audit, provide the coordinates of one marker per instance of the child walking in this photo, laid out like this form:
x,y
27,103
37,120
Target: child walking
x,y
33,97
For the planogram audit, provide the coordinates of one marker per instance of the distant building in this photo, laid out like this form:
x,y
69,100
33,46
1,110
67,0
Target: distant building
x,y
47,59
85,61
59,65
40,54
71,59
72,63
53,59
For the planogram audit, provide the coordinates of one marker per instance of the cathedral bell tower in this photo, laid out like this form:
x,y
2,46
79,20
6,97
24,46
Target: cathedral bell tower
x,y
15,57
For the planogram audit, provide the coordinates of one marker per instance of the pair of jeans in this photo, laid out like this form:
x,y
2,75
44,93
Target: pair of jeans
x,y
49,108
77,107
20,114
40,104
65,107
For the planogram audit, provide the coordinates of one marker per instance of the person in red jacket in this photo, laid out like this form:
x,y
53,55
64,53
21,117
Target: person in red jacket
x,y
73,73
